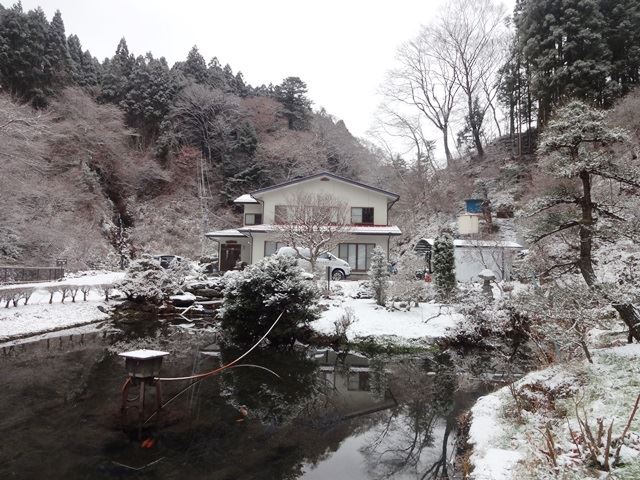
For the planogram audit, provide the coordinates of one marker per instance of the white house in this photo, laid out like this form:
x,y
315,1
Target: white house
x,y
473,256
260,235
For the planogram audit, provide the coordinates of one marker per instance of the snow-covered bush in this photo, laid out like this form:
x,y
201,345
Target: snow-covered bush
x,y
257,295
444,274
147,281
405,288
564,314
488,322
343,324
379,275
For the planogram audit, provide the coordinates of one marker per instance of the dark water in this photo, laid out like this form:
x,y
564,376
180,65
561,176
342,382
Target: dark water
x,y
329,416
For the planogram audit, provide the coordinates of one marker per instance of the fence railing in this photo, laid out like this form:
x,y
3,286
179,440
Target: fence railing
x,y
12,274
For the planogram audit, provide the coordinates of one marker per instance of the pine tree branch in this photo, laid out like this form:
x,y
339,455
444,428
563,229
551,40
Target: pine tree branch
x,y
562,227
616,177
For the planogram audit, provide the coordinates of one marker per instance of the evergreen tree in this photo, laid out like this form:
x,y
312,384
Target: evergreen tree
x,y
577,149
216,75
150,92
444,274
584,49
23,43
260,293
291,93
379,275
116,72
84,68
623,37
57,62
195,68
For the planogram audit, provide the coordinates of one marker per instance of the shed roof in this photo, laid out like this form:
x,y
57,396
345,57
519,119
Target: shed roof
x,y
480,243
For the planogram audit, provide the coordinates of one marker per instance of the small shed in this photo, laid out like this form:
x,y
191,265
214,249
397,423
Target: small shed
x,y
473,205
473,256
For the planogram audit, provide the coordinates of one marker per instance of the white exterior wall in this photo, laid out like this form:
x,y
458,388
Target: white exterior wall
x,y
251,208
468,224
352,195
470,261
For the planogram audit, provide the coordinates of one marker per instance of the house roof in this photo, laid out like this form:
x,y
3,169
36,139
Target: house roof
x,y
230,233
246,198
390,195
353,229
480,243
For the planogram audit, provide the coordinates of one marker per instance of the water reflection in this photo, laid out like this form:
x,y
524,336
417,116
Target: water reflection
x,y
331,415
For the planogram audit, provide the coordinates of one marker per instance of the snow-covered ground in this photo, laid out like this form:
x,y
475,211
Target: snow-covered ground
x,y
93,277
422,323
39,316
508,442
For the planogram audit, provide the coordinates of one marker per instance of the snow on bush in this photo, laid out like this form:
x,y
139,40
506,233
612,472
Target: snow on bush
x,y
147,281
405,288
444,274
257,295
487,321
379,275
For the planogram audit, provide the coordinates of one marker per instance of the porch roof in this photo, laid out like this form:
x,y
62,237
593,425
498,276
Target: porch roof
x,y
229,233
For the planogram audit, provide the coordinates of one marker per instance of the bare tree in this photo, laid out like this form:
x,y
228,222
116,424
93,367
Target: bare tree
x,y
312,223
470,37
206,118
406,128
427,81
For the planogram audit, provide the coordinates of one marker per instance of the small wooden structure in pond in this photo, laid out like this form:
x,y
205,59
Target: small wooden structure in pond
x,y
143,367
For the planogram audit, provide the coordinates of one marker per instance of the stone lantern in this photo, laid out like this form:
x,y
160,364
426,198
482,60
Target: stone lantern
x,y
487,276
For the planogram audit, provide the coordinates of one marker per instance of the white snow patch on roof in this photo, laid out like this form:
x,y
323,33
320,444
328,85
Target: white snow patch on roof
x,y
480,243
246,198
231,232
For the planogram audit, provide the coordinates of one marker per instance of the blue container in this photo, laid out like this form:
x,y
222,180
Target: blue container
x,y
473,205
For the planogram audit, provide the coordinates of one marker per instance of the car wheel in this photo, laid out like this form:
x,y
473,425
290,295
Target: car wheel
x,y
338,275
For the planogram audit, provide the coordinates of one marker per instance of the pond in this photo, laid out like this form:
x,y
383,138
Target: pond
x,y
327,416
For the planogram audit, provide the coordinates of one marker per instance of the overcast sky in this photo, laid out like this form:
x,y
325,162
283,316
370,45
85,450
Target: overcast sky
x,y
341,49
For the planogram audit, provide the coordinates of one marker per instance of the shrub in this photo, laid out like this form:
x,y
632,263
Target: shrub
x,y
444,274
147,281
379,275
255,296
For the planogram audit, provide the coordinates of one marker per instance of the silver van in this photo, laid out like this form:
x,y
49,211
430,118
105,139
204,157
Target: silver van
x,y
339,268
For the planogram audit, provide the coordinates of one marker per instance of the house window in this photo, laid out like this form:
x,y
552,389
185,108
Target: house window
x,y
362,215
270,248
252,218
357,255
359,381
281,214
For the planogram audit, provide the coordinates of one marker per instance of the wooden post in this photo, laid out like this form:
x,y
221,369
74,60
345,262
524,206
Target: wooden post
x,y
328,279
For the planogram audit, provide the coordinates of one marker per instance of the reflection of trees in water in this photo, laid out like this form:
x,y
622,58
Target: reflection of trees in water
x,y
404,441
273,400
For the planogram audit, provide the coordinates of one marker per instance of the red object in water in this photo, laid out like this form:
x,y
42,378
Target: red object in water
x,y
148,443
427,277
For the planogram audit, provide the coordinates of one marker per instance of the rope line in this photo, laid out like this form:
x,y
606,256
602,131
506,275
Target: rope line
x,y
224,367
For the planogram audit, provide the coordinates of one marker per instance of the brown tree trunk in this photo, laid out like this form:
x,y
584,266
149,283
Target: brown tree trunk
x,y
586,232
630,316
445,138
628,313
